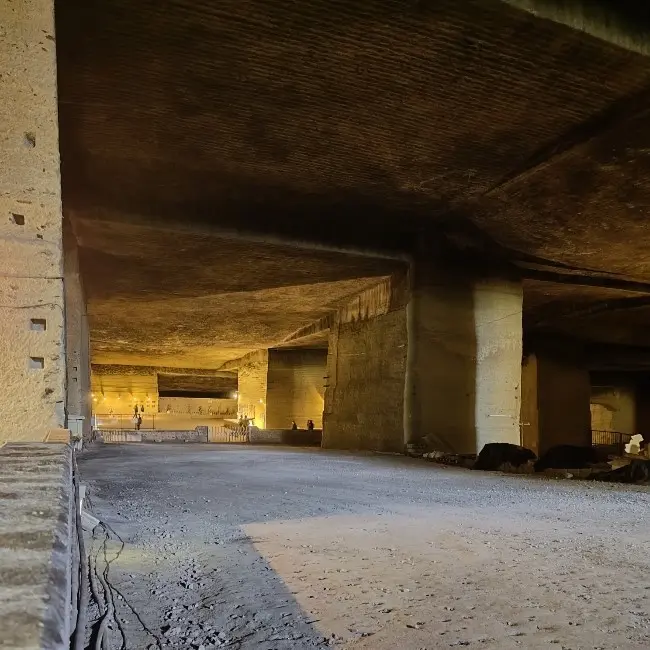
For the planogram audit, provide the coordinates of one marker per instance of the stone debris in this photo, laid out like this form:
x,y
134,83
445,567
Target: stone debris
x,y
634,446
613,470
456,460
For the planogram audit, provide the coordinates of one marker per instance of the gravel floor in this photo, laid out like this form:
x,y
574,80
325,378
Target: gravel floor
x,y
242,547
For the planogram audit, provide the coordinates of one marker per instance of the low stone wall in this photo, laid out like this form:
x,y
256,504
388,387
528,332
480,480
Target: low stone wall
x,y
298,438
121,436
37,534
200,434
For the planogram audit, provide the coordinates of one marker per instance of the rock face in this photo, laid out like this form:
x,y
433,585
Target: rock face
x,y
495,455
568,457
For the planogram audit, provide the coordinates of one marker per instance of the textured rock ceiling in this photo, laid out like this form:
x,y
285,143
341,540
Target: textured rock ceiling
x,y
169,298
351,123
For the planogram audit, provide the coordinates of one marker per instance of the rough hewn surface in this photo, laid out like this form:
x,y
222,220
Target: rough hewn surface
x,y
225,382
351,123
626,23
276,549
199,434
143,283
295,388
31,282
499,344
464,366
618,394
556,394
36,537
529,414
252,378
77,342
300,438
364,397
117,389
564,391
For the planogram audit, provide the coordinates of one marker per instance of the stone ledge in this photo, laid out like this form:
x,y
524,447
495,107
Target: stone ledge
x,y
36,536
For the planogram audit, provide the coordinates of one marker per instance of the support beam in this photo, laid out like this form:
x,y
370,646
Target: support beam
x,y
32,355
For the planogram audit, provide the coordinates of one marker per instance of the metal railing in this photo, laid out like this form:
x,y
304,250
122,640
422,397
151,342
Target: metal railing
x,y
228,434
124,421
616,440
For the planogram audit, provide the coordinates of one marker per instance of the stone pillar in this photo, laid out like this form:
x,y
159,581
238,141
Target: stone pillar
x,y
364,396
252,377
78,402
529,418
295,387
556,396
642,411
462,387
32,356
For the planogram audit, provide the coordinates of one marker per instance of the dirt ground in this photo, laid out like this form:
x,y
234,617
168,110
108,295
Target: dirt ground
x,y
242,547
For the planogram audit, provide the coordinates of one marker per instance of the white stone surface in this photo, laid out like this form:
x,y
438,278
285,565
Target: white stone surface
x,y
31,283
499,335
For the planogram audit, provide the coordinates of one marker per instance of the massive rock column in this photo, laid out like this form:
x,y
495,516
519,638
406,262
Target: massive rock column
x,y
364,391
556,394
32,356
295,387
77,338
463,371
252,377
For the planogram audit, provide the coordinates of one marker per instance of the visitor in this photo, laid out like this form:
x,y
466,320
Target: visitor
x,y
310,425
294,426
138,423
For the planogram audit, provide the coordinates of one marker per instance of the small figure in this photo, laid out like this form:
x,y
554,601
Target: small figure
x,y
310,425
138,423
294,426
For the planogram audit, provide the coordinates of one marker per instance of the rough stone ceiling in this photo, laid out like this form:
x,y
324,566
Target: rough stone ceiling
x,y
196,383
623,22
168,298
353,123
